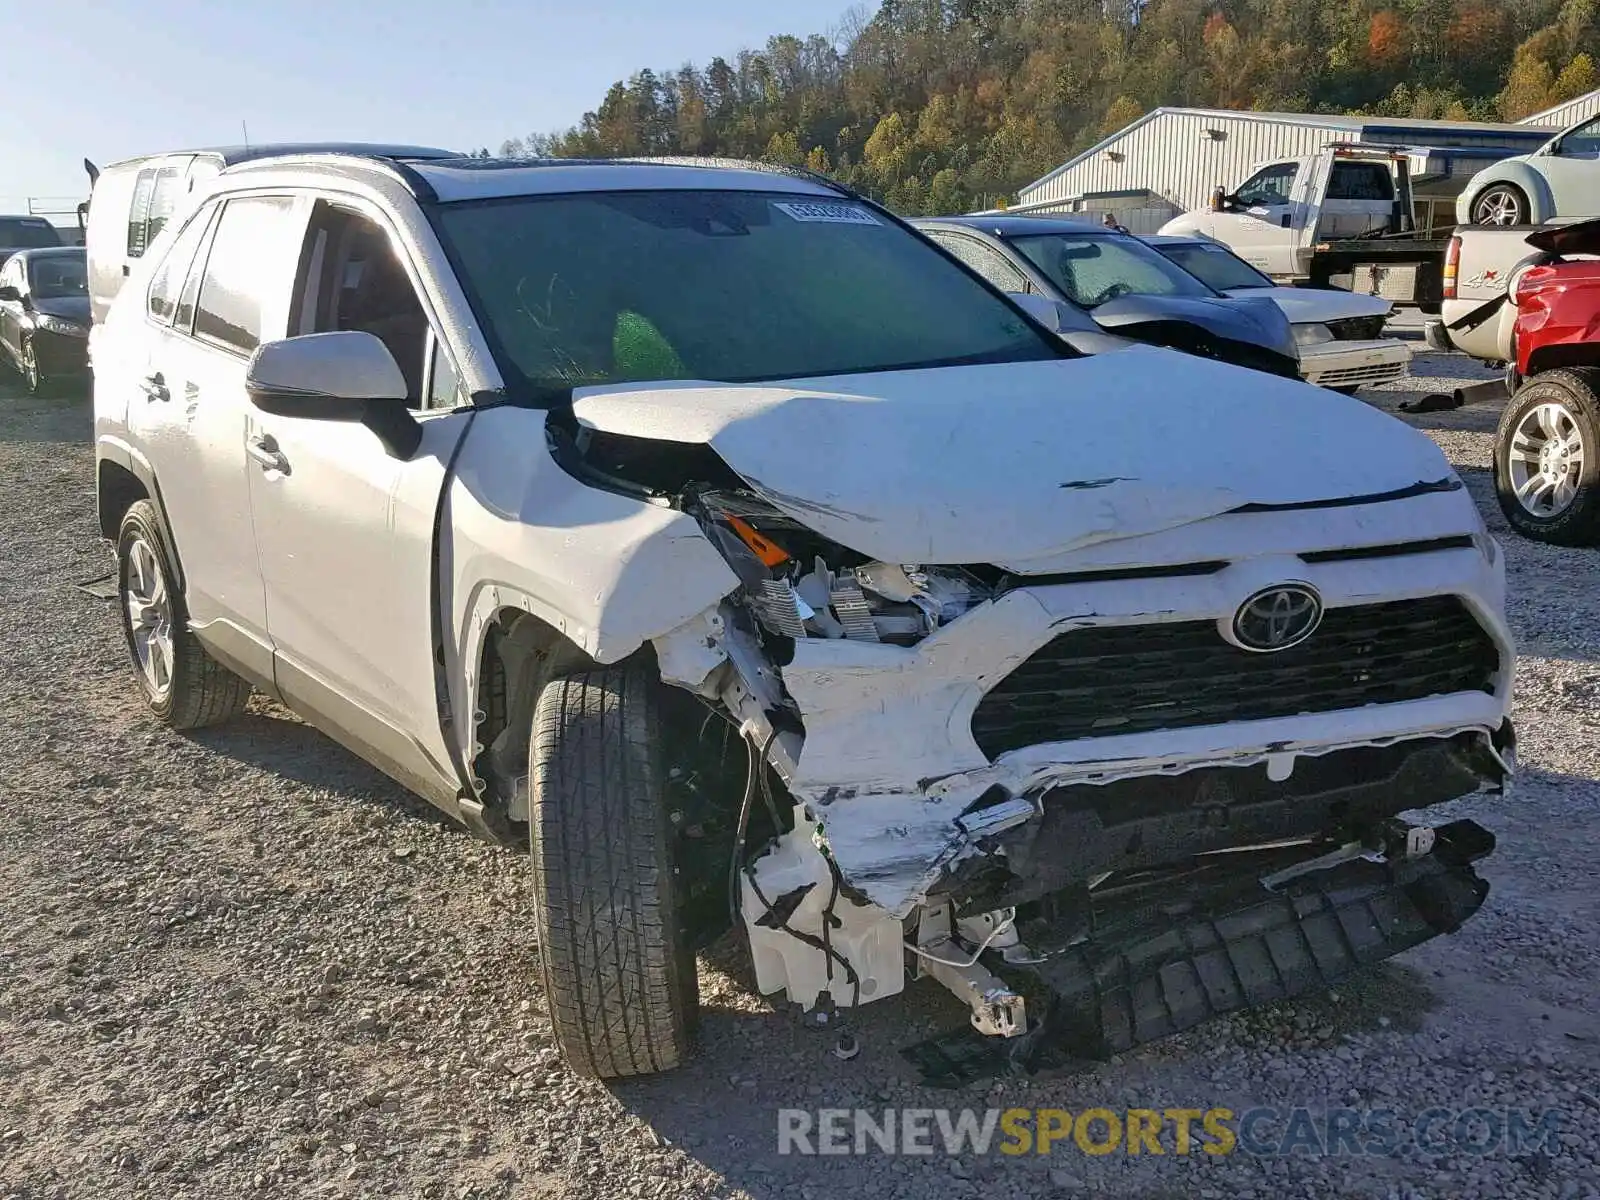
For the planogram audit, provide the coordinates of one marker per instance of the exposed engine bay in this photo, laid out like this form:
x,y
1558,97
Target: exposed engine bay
x,y
1076,800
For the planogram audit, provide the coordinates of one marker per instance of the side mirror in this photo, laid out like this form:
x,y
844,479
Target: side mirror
x,y
9,293
1042,309
343,376
1055,315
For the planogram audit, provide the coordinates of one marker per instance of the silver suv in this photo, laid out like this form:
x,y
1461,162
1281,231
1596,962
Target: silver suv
x,y
711,533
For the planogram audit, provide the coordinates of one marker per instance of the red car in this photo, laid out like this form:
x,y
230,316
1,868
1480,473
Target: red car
x,y
1547,450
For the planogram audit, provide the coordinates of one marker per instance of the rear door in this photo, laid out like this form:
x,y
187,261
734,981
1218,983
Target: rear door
x,y
345,531
189,415
1261,226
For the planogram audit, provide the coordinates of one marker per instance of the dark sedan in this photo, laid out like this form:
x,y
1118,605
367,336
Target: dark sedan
x,y
1120,284
44,316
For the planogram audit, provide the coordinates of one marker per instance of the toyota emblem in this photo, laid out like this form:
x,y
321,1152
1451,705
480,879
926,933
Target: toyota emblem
x,y
1277,618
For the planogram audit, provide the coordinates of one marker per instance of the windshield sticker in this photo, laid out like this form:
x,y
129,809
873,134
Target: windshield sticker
x,y
833,214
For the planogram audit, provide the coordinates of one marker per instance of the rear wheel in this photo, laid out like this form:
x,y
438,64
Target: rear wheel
x,y
182,684
1501,204
1547,458
619,975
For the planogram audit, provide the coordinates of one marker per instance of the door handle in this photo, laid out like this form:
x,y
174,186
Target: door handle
x,y
264,449
154,387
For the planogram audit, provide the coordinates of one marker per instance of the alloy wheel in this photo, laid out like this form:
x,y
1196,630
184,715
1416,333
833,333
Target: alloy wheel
x,y
1545,460
149,617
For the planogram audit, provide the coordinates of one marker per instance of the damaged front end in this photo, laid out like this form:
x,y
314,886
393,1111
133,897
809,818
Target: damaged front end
x,y
1089,800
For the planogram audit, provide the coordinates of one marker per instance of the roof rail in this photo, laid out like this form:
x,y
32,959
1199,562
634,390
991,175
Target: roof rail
x,y
663,160
400,169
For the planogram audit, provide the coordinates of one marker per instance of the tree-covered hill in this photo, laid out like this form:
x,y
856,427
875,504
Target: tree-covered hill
x,y
939,105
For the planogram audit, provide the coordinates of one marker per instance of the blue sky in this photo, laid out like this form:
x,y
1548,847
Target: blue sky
x,y
109,79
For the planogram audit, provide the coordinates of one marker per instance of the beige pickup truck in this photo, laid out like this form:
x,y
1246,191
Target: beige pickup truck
x,y
1477,316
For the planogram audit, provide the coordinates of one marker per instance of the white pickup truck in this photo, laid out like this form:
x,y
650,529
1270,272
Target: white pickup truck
x,y
1342,218
1482,266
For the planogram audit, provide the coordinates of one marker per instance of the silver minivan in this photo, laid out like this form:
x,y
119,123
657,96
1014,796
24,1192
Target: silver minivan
x,y
133,199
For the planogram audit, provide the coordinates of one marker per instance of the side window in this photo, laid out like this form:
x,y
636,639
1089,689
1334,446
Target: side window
x,y
231,301
1268,186
1583,141
1360,181
352,278
986,261
168,282
139,213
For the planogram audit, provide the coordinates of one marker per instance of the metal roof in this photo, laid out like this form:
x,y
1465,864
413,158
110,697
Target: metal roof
x,y
482,179
461,178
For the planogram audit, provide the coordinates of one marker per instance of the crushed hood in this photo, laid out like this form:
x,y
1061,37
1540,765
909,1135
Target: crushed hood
x,y
1253,322
68,308
1015,464
1313,306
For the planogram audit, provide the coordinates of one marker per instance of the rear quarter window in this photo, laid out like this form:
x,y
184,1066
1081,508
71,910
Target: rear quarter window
x,y
27,233
1360,181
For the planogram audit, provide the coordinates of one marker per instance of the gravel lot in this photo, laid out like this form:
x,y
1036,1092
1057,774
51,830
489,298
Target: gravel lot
x,y
245,964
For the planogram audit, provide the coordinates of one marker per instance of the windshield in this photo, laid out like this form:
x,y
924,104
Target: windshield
x,y
725,286
1093,270
1215,266
57,277
27,233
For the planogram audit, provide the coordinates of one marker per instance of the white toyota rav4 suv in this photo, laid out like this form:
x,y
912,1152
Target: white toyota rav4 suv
x,y
710,532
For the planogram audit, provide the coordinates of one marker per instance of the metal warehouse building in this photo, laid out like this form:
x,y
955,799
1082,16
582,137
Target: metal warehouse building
x,y
1170,160
1570,113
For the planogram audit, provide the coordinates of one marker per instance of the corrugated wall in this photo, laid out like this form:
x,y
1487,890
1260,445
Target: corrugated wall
x,y
1569,113
1170,156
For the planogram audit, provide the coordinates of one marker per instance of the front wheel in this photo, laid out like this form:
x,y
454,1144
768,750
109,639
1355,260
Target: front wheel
x,y
619,976
32,377
182,684
1501,204
1547,458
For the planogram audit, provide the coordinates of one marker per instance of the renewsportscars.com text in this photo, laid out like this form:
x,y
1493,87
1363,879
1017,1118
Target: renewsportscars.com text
x,y
1261,1132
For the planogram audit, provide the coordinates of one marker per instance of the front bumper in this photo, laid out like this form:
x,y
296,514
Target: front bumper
x,y
1355,364
891,770
60,356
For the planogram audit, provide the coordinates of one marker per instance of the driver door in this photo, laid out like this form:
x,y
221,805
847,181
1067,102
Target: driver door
x,y
1261,226
1572,170
344,530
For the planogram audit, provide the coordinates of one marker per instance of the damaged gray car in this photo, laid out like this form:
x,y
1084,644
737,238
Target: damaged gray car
x,y
705,530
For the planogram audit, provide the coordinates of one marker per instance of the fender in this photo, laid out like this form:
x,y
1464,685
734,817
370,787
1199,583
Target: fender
x,y
608,572
115,450
1522,173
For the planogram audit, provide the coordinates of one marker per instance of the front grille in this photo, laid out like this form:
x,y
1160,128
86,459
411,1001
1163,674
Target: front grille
x,y
1360,376
1357,329
1137,678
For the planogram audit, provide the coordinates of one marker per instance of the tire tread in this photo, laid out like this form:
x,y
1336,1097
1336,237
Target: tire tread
x,y
611,951
203,691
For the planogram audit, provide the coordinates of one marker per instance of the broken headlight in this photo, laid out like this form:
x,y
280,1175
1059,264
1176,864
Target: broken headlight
x,y
799,584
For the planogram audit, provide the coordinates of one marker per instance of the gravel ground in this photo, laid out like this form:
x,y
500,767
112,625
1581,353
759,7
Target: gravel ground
x,y
245,964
